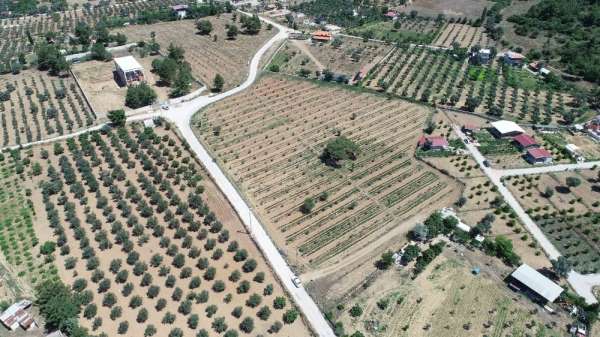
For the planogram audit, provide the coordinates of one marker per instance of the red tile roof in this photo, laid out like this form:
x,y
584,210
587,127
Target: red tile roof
x,y
437,141
539,153
525,140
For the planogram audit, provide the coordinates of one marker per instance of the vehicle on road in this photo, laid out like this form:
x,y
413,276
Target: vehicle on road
x,y
486,163
296,281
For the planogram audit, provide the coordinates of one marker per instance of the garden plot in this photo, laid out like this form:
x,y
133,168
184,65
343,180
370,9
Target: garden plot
x,y
36,106
149,242
446,300
208,55
291,60
270,138
565,205
450,8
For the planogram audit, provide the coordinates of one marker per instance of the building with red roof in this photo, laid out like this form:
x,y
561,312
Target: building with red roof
x,y
433,143
538,155
525,141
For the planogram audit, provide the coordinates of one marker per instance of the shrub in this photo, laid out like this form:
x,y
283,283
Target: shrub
x,y
150,331
290,316
237,312
193,321
142,315
264,313
139,95
218,286
356,311
123,327
160,304
247,325
254,300
116,312
279,302
249,266
211,310
135,302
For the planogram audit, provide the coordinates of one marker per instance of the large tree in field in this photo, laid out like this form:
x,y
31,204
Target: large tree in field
x,y
339,149
218,83
139,95
204,27
561,266
57,304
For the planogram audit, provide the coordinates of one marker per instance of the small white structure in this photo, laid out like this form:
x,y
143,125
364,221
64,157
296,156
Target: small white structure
x,y
506,128
447,211
56,333
129,70
539,284
16,316
332,28
149,123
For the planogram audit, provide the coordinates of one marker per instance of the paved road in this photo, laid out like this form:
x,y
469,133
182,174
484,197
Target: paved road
x,y
582,284
181,114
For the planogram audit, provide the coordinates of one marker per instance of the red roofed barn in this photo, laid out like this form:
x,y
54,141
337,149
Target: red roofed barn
x,y
525,141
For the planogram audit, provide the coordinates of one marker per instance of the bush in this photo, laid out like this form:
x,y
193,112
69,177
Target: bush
x,y
123,327
339,149
290,316
356,311
254,300
247,325
279,302
139,96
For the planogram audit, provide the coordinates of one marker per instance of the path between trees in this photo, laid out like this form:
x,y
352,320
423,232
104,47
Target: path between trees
x,y
582,284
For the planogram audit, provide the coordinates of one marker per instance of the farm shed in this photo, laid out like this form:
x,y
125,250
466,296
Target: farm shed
x,y
433,143
535,284
538,155
16,316
501,129
574,152
129,70
525,141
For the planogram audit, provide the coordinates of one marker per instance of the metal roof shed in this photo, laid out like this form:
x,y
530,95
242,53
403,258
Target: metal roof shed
x,y
507,127
537,282
128,63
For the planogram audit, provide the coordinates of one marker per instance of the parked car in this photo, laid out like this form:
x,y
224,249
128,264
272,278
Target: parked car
x,y
296,281
486,163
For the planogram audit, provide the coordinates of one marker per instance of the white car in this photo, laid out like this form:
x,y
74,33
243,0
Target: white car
x,y
164,106
296,281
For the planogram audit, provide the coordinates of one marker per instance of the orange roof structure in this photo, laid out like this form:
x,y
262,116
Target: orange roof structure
x,y
321,35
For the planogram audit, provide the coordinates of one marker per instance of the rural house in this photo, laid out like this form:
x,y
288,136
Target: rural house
x,y
433,143
129,71
180,10
525,141
513,59
503,129
484,55
321,36
16,316
538,155
533,283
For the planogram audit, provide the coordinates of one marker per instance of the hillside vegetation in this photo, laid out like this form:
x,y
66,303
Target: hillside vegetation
x,y
575,25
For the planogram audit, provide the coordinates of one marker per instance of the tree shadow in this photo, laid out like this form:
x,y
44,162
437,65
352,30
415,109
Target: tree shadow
x,y
563,189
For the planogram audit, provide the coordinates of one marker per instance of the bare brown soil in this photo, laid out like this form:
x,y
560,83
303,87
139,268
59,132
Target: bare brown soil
x,y
471,9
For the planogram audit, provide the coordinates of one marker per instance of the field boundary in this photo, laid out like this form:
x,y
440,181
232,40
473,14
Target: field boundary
x,y
85,96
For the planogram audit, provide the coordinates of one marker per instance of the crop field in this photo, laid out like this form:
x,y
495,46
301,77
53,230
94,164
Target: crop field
x,y
570,215
465,35
446,300
141,234
273,156
435,76
208,55
348,59
36,106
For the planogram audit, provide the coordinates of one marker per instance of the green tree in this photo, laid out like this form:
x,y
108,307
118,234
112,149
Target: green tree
x,y
339,149
573,181
307,206
411,252
232,32
561,266
204,27
218,83
99,52
290,316
251,24
57,303
48,247
139,95
356,311
386,261
117,117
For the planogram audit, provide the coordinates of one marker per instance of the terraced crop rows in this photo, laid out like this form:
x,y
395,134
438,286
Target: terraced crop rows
x,y
465,35
270,138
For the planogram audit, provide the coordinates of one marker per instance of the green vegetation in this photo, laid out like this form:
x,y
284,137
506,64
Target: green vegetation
x,y
140,95
341,12
117,117
575,25
489,145
338,150
174,71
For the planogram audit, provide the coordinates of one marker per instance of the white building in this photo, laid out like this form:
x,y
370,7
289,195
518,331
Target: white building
x,y
128,69
574,152
506,129
537,284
